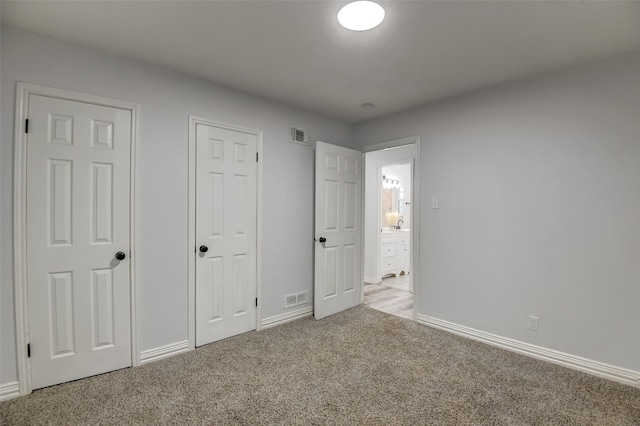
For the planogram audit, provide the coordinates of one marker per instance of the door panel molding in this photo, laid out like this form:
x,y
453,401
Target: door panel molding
x,y
338,218
191,237
23,91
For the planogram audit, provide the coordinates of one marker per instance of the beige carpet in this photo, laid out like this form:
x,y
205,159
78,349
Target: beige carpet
x,y
358,367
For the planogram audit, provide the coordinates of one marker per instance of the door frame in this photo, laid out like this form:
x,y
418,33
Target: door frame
x,y
191,219
415,209
21,302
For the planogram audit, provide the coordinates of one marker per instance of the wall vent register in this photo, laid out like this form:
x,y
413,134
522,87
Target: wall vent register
x,y
298,136
296,299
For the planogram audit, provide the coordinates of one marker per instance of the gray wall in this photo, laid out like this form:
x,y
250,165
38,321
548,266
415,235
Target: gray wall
x,y
538,182
539,190
167,99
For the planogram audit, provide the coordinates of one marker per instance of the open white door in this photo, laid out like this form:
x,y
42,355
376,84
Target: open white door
x,y
338,259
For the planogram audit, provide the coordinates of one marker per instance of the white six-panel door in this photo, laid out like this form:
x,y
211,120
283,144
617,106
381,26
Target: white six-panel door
x,y
226,238
338,261
77,204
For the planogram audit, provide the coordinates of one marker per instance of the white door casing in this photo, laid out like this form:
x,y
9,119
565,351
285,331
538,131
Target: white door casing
x,y
338,217
78,181
226,224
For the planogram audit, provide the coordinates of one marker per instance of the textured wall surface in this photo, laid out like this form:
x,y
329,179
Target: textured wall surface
x,y
167,99
539,190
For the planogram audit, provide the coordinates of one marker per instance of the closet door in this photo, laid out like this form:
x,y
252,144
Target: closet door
x,y
226,232
78,230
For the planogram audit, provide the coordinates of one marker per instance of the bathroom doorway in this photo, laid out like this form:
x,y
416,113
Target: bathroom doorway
x,y
389,228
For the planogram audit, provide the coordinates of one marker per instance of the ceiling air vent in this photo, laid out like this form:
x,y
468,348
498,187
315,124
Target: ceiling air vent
x,y
299,136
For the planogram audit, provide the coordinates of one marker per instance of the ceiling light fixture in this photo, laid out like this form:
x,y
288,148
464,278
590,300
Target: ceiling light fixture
x,y
361,15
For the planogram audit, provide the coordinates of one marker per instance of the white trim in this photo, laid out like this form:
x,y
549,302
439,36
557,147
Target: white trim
x,y
379,224
390,144
363,198
162,352
416,210
191,237
19,241
23,90
9,391
286,317
595,368
133,237
259,234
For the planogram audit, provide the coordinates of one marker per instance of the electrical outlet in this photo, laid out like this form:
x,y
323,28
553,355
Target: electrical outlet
x,y
533,323
434,203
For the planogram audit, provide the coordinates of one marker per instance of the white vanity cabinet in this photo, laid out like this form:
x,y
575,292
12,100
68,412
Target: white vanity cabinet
x,y
395,253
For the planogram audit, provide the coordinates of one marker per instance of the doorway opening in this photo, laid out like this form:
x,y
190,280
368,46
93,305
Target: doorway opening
x,y
390,228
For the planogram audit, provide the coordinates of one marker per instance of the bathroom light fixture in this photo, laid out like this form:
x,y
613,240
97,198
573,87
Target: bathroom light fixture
x,y
389,183
361,15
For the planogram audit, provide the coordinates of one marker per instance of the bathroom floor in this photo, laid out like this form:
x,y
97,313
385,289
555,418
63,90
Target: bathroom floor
x,y
390,300
400,282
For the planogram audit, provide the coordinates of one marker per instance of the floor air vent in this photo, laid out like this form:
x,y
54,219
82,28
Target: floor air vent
x,y
296,299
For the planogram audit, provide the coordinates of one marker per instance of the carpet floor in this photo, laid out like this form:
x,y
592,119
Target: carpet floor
x,y
359,367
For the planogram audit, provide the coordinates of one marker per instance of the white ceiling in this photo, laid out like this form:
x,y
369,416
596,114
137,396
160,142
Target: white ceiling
x,y
295,51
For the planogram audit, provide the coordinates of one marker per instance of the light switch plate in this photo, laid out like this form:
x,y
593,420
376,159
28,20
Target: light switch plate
x,y
533,323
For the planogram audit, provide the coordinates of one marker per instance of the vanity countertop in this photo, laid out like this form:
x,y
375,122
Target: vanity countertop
x,y
393,231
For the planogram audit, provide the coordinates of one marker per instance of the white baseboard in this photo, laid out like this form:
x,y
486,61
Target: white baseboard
x,y
596,368
156,354
9,391
286,317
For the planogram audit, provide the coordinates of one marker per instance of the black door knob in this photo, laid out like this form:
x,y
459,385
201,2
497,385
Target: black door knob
x,y
322,240
120,255
204,249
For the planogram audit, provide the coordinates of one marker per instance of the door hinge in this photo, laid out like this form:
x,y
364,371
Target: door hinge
x,y
256,157
28,350
256,301
26,125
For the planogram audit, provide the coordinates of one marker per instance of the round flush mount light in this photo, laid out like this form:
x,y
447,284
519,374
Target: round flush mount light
x,y
361,15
